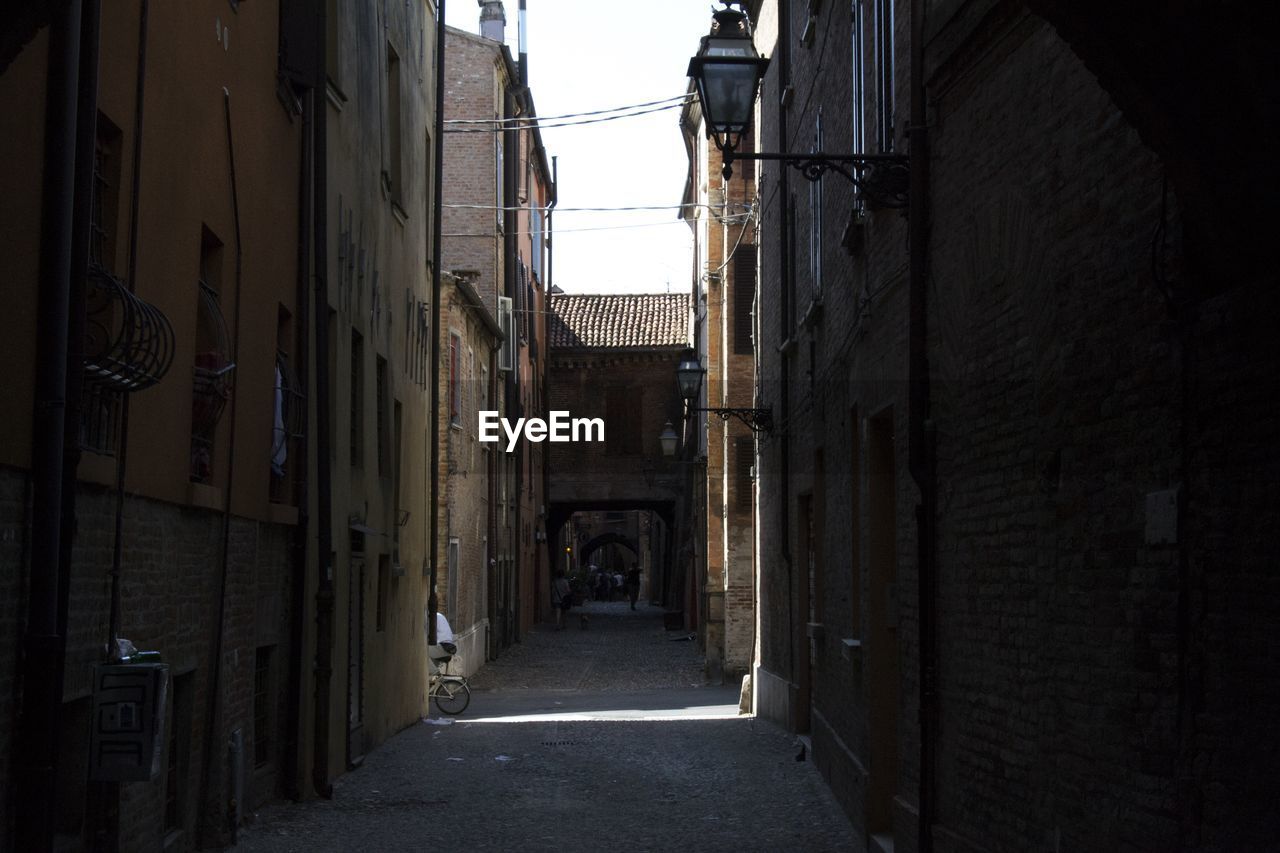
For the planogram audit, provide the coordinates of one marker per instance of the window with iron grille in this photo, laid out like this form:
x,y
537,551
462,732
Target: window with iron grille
x,y
744,292
262,707
213,370
357,398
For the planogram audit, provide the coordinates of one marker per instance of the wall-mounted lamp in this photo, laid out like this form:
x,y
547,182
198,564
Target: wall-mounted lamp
x,y
726,73
689,379
668,439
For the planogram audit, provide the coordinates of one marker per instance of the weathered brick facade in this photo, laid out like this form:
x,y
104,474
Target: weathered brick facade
x,y
1098,403
722,215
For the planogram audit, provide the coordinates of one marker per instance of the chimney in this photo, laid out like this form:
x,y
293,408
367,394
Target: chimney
x,y
493,20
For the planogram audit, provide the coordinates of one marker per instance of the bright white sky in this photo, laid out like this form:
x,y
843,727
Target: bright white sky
x,y
590,55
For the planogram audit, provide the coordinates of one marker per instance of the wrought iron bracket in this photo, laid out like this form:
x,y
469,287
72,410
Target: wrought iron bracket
x,y
757,420
882,179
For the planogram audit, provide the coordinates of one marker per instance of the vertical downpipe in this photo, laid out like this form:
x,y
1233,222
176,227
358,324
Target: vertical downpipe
x,y
323,668
214,703
297,636
784,365
433,600
37,736
920,428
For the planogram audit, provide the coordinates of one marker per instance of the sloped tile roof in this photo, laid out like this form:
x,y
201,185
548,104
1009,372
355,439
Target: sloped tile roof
x,y
640,320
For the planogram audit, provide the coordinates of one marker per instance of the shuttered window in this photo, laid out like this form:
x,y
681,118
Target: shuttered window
x,y
744,448
744,291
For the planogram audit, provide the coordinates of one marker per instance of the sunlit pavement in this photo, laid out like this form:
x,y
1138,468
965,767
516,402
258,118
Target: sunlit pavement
x,y
579,740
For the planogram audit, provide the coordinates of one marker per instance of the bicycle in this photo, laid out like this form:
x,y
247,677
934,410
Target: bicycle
x,y
451,692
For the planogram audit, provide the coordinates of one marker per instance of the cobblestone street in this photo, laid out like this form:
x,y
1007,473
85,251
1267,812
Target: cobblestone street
x,y
597,739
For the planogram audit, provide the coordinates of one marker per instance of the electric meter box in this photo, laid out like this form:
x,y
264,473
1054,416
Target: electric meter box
x,y
129,711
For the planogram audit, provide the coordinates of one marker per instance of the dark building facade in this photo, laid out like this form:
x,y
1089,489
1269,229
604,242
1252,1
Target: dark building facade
x,y
1015,578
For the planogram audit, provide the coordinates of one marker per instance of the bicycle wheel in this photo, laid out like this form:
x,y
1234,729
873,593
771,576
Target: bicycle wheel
x,y
452,695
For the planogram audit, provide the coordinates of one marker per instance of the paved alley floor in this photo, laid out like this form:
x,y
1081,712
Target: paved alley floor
x,y
577,740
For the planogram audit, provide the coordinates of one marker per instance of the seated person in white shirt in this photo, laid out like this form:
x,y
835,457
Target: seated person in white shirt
x,y
444,648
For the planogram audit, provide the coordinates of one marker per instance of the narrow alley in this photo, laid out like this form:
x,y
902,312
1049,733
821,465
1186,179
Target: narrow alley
x,y
594,739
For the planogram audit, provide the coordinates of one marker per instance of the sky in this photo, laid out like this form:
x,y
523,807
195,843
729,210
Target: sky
x,y
589,55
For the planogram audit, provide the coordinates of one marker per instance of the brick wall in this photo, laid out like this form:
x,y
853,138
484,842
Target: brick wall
x,y
170,576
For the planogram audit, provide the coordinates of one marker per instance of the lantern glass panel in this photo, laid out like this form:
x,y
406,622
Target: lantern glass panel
x,y
728,91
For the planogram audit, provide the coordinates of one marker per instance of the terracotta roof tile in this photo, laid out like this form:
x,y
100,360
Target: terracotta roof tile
x,y
642,320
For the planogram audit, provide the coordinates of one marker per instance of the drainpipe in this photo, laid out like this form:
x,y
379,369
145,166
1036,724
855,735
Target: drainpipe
x,y
36,740
323,668
920,427
297,638
784,391
100,810
437,315
213,715
539,596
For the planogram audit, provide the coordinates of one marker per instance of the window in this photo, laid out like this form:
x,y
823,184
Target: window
x,y
499,194
384,589
392,174
262,707
484,399
744,458
471,400
211,387
535,216
380,379
288,408
507,357
744,292
885,104
451,605
429,195
357,399
858,72
105,202
455,379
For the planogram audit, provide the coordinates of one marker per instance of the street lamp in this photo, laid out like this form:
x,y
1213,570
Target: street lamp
x,y
668,440
726,73
689,378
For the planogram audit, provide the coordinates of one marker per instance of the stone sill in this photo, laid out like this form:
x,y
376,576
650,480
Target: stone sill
x,y
282,514
206,497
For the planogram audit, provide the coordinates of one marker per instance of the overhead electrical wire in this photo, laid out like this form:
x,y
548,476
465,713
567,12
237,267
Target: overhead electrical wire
x,y
532,123
531,120
747,205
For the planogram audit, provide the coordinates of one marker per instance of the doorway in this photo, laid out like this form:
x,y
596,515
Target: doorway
x,y
884,676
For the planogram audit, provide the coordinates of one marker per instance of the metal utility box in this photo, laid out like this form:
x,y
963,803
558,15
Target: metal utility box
x,y
129,710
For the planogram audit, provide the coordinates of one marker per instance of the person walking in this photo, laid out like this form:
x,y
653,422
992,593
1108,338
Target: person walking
x,y
561,597
633,584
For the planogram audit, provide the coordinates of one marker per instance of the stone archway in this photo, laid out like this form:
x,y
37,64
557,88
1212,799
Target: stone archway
x,y
598,542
